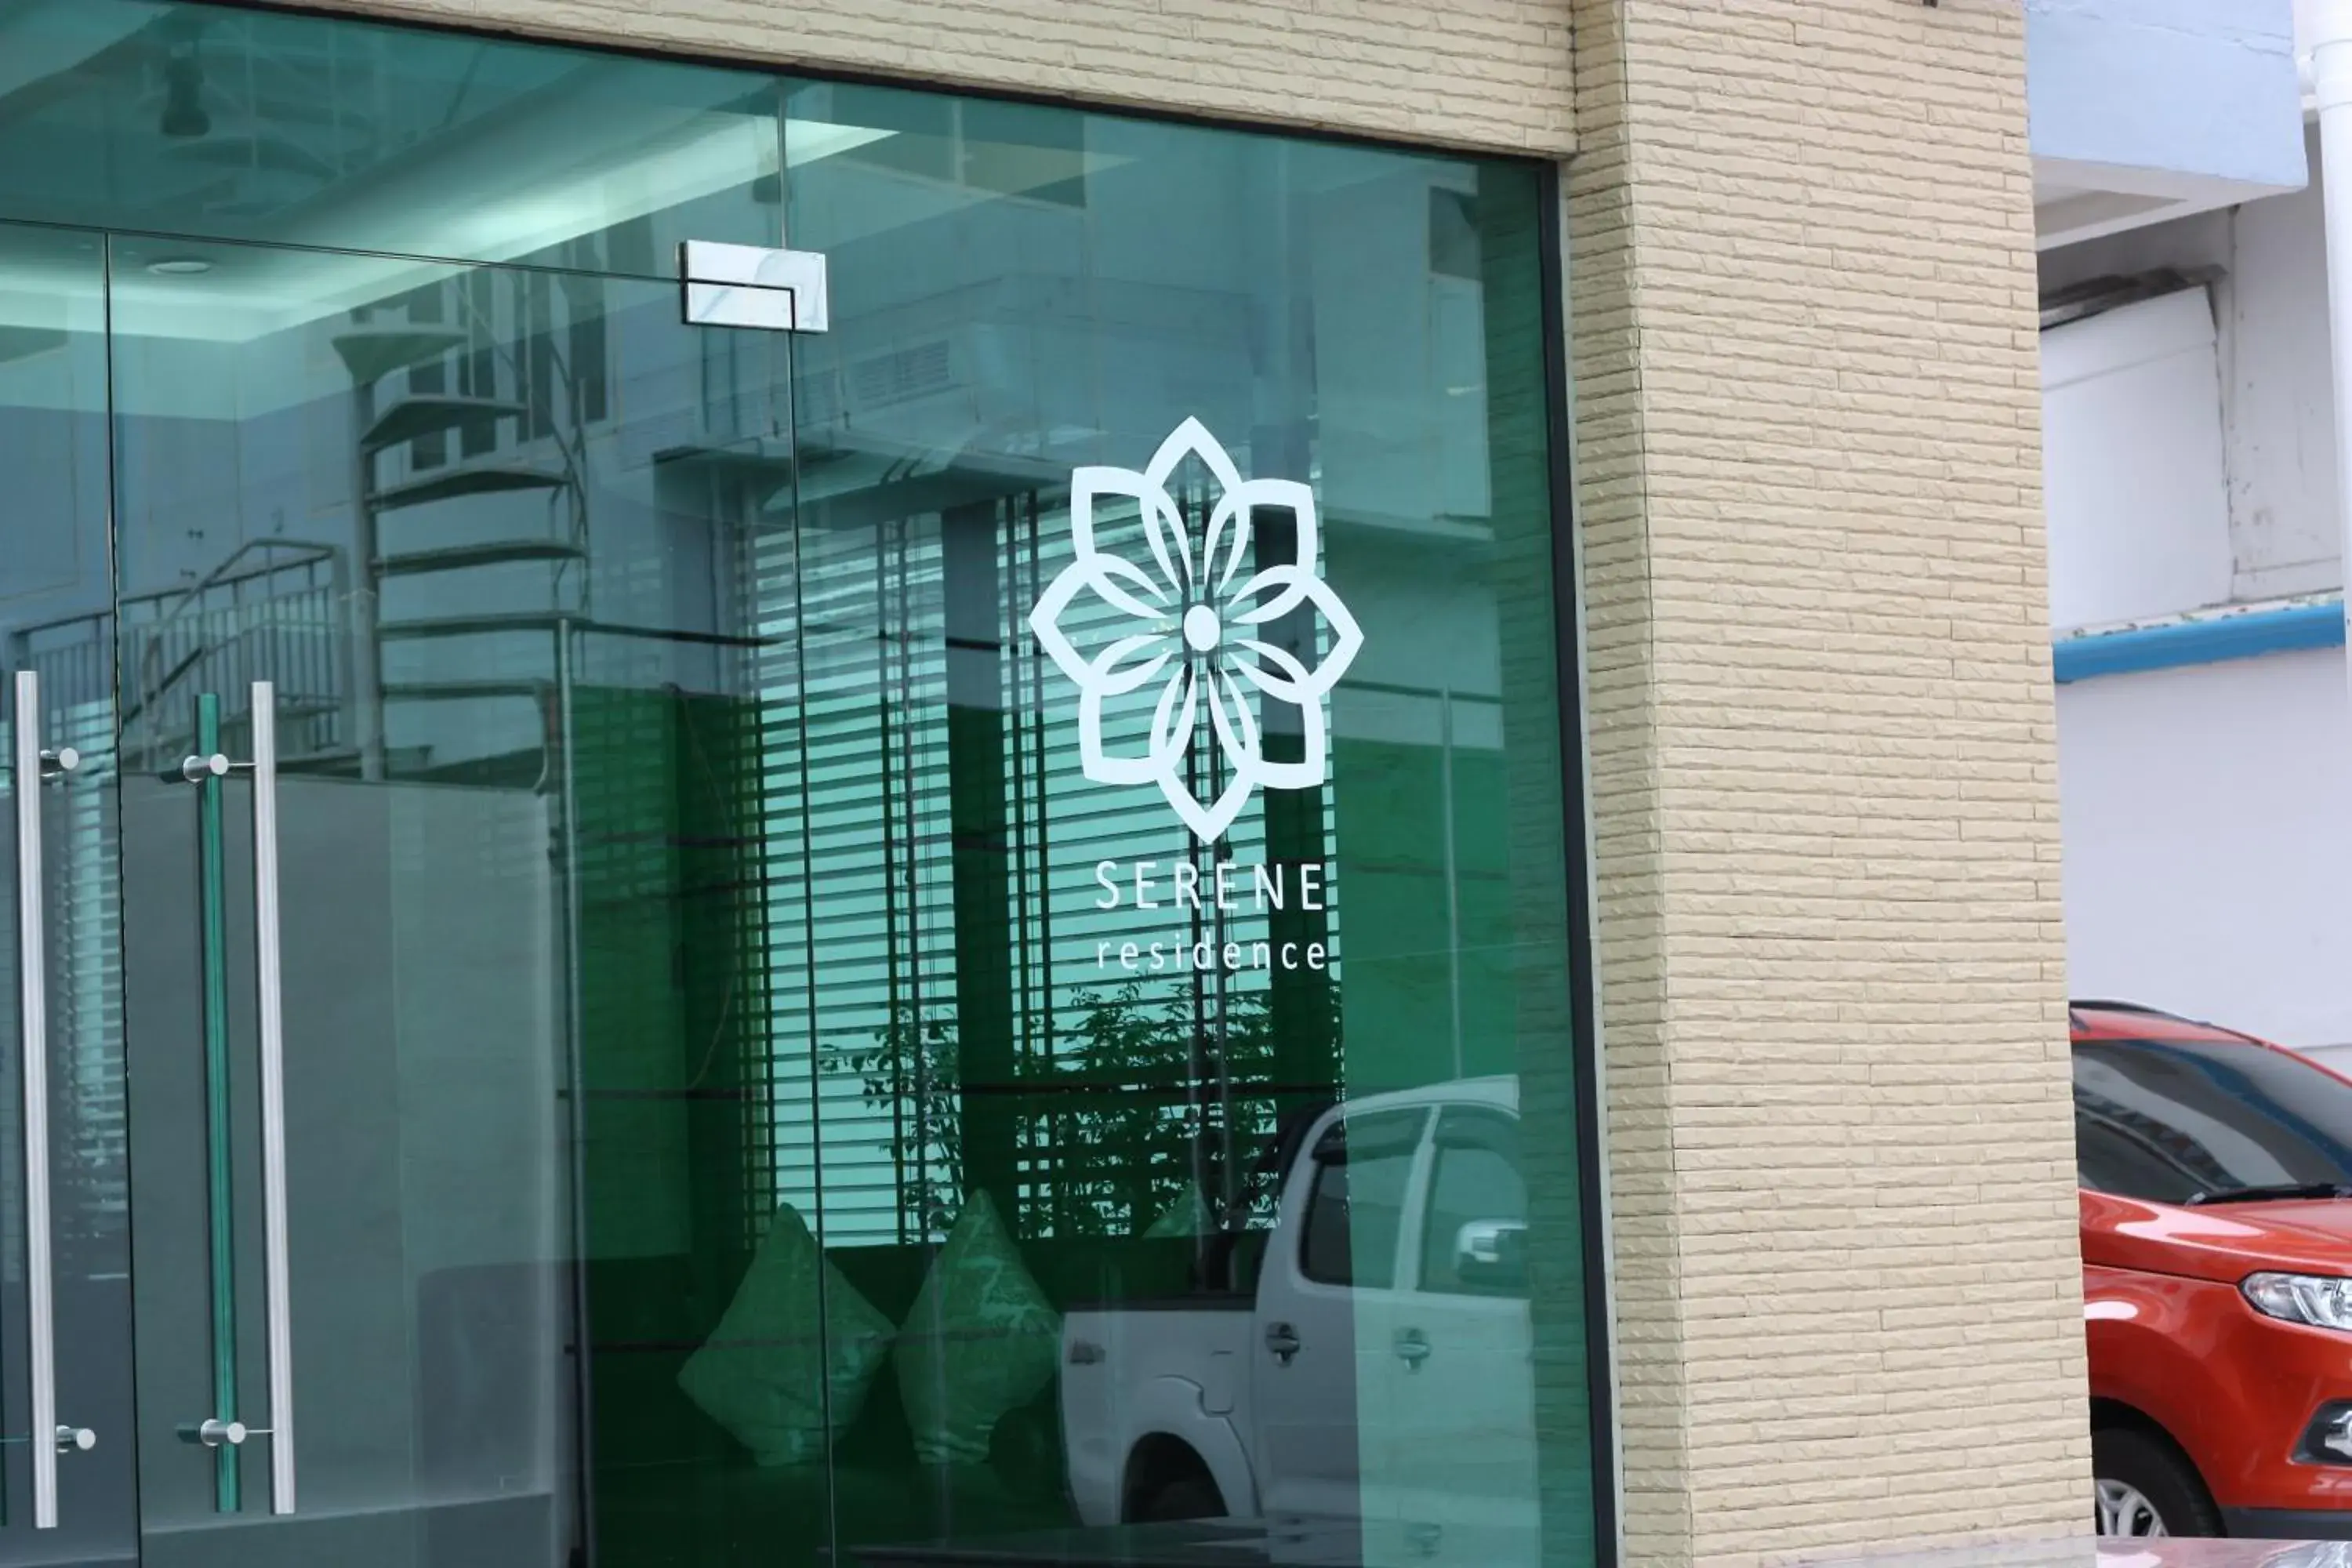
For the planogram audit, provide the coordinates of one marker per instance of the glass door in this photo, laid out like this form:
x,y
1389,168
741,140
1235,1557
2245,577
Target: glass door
x,y
441,696
66,1482
322,1156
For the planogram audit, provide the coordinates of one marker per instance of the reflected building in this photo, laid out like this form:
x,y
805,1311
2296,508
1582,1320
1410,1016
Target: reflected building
x,y
648,911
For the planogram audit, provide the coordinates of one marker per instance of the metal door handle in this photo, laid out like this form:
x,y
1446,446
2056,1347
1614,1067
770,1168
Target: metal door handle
x,y
1412,1347
34,768
212,1432
207,769
270,1026
1283,1340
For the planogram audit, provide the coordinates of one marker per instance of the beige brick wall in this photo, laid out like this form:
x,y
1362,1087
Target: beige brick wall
x,y
1807,432
1466,73
1822,750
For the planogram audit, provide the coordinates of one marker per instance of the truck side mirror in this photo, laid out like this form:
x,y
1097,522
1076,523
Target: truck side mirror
x,y
1492,1254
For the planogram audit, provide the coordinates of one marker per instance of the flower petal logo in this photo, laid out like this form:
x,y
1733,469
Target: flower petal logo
x,y
1195,625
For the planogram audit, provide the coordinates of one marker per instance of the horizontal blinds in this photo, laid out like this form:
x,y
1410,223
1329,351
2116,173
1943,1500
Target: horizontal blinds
x,y
861,930
859,813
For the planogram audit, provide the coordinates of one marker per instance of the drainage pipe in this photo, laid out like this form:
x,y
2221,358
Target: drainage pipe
x,y
2330,68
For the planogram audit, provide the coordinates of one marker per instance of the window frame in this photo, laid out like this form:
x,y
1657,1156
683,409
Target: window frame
x,y
1403,1272
1452,1114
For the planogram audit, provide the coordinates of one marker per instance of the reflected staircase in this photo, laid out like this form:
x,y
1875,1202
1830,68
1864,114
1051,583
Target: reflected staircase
x,y
312,616
506,443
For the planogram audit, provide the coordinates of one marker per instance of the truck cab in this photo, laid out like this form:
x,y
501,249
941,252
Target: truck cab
x,y
1368,1356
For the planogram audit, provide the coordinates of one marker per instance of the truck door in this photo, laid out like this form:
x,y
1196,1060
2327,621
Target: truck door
x,y
1462,1371
1327,1299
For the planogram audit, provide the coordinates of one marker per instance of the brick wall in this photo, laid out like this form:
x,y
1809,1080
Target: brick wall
x,y
1495,75
1802,306
1823,751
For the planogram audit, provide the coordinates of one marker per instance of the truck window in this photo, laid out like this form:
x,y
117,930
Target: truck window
x,y
1473,1184
1355,1208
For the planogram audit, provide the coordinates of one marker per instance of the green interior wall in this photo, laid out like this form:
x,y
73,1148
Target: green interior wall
x,y
1399,989
986,1064
673,1035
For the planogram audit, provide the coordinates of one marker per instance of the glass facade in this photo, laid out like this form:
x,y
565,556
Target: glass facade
x,y
947,938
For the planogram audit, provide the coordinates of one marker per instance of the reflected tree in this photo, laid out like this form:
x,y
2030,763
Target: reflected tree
x,y
1118,1134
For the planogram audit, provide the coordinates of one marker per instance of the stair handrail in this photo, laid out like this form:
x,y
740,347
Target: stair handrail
x,y
571,441
152,685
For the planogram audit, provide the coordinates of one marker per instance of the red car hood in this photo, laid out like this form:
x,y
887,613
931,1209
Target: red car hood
x,y
2223,1242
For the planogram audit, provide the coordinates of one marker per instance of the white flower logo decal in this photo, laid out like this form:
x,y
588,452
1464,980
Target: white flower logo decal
x,y
1195,623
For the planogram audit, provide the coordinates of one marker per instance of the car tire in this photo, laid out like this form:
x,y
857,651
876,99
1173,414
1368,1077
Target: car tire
x,y
2145,1486
1186,1497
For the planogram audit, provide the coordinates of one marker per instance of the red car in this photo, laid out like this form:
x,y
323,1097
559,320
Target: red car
x,y
2217,1278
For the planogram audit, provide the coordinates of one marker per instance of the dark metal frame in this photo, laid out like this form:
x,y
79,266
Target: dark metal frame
x,y
1583,981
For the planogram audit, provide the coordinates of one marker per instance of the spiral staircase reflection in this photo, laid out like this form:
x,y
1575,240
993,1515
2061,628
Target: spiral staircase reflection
x,y
309,614
312,614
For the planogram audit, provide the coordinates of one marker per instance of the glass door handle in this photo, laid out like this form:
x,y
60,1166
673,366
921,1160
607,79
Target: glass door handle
x,y
32,768
270,1026
222,1432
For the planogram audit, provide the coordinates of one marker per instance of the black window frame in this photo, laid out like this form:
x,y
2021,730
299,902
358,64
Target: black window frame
x,y
1340,1144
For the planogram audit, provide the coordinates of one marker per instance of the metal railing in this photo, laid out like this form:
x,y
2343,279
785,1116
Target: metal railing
x,y
272,609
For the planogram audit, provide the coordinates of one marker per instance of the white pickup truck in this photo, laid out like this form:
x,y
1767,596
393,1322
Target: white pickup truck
x,y
1381,1369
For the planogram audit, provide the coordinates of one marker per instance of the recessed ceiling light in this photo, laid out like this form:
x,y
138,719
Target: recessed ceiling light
x,y
179,267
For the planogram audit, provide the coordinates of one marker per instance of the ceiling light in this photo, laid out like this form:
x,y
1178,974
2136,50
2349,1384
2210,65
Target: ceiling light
x,y
179,267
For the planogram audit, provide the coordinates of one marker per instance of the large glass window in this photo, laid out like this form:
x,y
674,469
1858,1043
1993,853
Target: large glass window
x,y
1020,844
1181,753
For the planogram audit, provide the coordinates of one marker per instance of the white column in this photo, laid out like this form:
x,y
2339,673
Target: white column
x,y
2330,37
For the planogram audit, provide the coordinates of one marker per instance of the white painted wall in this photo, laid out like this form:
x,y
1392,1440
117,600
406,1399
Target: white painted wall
x,y
2190,86
2133,470
2207,819
2149,107
2277,401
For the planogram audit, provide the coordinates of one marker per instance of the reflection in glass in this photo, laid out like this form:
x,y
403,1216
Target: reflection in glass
x,y
1197,1128
55,584
2183,1122
210,121
483,531
762,1095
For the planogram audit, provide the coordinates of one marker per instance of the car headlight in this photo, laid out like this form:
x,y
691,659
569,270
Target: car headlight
x,y
2317,1299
